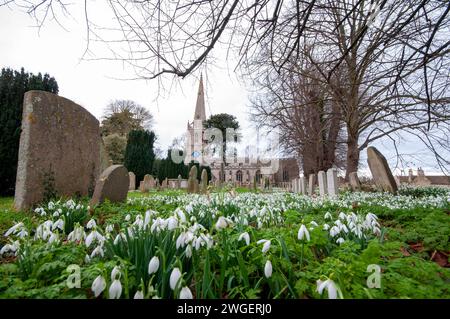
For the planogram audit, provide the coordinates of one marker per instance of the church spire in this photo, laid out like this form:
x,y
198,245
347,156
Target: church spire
x,y
200,113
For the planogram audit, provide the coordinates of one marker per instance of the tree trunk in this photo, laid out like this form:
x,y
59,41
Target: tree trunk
x,y
352,154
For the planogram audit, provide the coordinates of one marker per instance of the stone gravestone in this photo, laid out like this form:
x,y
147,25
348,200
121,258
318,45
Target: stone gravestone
x,y
146,183
192,181
204,181
380,170
303,186
59,150
322,177
156,183
164,183
294,185
312,183
132,185
332,181
142,187
112,185
355,184
179,181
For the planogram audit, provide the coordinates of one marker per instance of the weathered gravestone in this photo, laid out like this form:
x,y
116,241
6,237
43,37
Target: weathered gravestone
x,y
380,170
132,185
332,181
142,187
179,181
323,185
164,183
204,181
112,185
355,184
59,151
312,183
192,181
303,186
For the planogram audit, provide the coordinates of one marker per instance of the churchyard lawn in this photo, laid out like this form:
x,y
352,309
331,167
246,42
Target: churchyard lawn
x,y
230,244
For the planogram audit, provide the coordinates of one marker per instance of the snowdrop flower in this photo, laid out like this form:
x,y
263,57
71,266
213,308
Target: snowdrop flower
x,y
328,215
266,245
109,228
330,286
87,259
326,226
98,285
94,235
115,290
58,224
153,265
303,233
174,278
53,238
172,223
51,205
334,231
188,251
98,251
268,269
91,224
181,215
10,248
138,295
245,236
115,272
340,240
342,215
23,233
314,224
186,293
56,214
14,229
221,223
127,218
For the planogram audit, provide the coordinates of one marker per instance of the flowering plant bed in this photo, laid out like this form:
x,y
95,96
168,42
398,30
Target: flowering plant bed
x,y
230,245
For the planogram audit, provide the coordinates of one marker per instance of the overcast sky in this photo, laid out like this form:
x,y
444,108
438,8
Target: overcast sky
x,y
93,84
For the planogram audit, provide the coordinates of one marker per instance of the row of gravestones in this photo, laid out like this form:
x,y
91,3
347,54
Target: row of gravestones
x,y
328,182
59,152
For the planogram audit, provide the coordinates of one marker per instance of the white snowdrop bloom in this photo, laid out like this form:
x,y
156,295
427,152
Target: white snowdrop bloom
x,y
53,238
303,233
91,224
8,248
181,215
377,231
328,215
51,205
130,232
186,293
14,229
245,236
55,214
58,224
77,234
127,217
344,228
172,223
326,226
330,286
180,240
221,223
314,224
188,251
98,251
115,272
115,290
340,240
198,243
334,231
266,245
117,239
138,295
22,233
87,259
174,278
109,228
268,269
153,265
98,285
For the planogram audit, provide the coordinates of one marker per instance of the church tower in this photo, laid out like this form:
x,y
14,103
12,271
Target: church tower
x,y
194,139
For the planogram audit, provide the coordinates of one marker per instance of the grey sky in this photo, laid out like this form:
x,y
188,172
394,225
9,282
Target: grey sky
x,y
92,85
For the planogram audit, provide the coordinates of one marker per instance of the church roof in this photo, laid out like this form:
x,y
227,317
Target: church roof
x,y
200,113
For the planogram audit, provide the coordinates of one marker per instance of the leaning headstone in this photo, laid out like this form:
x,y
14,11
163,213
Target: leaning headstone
x,y
112,185
192,181
303,187
322,177
204,181
59,150
355,184
132,185
179,182
312,183
332,181
380,170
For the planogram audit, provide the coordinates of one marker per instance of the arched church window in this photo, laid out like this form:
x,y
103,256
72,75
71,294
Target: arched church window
x,y
239,176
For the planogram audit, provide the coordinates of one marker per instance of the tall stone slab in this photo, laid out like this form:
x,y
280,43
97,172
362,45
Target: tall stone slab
x,y
112,185
303,186
179,181
164,183
132,185
312,183
204,181
323,185
380,170
59,149
355,184
193,186
332,181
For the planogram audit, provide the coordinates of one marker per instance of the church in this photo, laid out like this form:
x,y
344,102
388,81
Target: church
x,y
240,171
